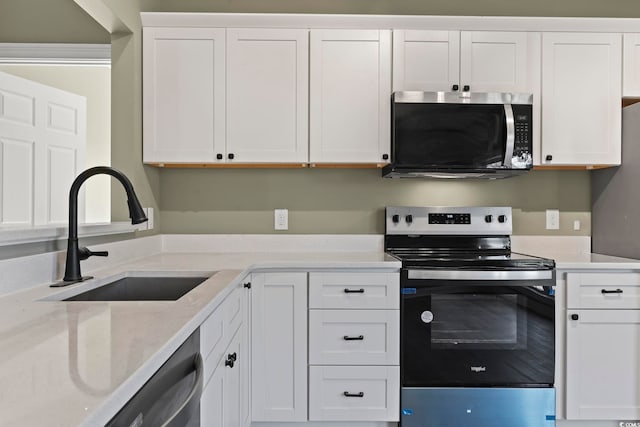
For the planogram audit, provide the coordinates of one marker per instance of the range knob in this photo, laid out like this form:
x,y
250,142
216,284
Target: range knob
x,y
409,219
488,218
395,219
502,218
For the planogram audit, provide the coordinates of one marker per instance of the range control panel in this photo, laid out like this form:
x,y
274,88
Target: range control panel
x,y
449,220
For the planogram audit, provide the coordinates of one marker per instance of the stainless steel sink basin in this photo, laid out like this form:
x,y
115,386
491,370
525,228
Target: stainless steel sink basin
x,y
134,288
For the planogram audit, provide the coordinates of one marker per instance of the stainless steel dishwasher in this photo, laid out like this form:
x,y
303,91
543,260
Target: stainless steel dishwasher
x,y
171,397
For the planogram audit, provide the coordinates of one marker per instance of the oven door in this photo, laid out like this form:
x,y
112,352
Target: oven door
x,y
477,328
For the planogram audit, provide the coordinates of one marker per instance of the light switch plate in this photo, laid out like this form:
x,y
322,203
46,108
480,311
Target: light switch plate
x,y
553,219
281,219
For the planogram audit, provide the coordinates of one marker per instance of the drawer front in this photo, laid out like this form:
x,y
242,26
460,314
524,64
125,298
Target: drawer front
x,y
233,311
212,333
212,341
354,337
354,393
603,290
354,290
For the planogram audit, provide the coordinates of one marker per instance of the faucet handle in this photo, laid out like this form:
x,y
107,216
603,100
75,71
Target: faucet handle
x,y
85,253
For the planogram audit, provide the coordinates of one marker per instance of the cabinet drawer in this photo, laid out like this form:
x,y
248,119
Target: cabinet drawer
x,y
358,337
603,290
354,290
354,393
233,311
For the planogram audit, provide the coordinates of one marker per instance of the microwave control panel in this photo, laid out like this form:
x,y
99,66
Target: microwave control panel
x,y
523,123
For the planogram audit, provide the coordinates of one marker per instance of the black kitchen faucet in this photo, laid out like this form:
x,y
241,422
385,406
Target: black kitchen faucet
x,y
74,253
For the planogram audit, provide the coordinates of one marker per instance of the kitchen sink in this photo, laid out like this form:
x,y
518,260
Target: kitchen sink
x,y
134,288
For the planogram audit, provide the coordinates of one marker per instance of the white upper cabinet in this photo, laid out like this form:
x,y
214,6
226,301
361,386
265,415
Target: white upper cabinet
x,y
426,60
184,94
631,65
267,95
581,91
483,61
350,89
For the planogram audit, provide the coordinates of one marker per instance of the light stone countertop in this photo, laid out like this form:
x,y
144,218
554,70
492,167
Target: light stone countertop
x,y
77,363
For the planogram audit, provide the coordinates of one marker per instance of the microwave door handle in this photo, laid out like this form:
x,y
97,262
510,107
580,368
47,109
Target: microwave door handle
x,y
511,135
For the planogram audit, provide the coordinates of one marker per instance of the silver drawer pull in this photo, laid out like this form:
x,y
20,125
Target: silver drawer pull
x,y
617,291
347,394
358,338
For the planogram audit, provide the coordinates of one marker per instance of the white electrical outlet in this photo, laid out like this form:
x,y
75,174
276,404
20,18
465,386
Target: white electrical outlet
x,y
281,219
553,219
576,225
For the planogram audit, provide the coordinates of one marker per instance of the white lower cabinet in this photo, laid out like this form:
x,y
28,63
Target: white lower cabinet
x,y
221,396
224,348
603,346
354,393
354,337
354,346
603,368
279,347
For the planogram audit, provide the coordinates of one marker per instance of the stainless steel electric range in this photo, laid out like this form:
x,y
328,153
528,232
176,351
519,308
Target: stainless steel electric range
x,y
477,320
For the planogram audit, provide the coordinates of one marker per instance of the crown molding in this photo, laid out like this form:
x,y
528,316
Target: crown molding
x,y
55,54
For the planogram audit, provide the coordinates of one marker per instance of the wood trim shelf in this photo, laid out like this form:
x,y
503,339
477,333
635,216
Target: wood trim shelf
x,y
347,165
230,165
268,165
571,167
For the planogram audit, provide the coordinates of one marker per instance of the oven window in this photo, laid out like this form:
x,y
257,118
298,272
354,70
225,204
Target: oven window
x,y
478,321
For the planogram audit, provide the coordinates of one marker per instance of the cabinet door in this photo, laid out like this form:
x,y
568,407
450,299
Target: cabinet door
x,y
350,89
267,95
221,398
603,373
426,60
279,346
500,61
581,91
631,61
183,94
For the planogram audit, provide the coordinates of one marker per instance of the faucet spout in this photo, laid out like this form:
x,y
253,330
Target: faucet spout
x,y
72,272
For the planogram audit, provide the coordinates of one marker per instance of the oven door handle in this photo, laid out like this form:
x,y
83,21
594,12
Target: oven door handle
x,y
479,274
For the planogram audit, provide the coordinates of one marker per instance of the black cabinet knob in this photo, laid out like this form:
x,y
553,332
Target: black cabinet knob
x,y
395,219
385,157
230,156
454,88
488,218
219,156
247,285
409,219
548,157
466,88
502,218
574,317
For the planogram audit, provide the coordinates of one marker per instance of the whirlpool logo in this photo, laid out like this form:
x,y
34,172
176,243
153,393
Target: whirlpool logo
x,y
478,368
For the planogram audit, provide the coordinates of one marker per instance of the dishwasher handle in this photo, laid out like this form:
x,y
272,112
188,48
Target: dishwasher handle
x,y
181,416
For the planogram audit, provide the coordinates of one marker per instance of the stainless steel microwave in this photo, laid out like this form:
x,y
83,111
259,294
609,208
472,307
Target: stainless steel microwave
x,y
460,135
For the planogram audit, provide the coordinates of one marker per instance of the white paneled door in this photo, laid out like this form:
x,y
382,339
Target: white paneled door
x,y
184,94
350,86
267,95
581,89
42,149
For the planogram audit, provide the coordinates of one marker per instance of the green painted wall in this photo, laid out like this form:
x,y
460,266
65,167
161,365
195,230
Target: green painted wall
x,y
612,8
322,201
47,21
